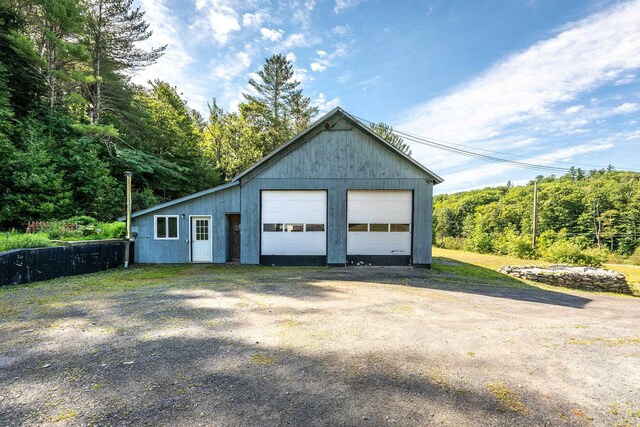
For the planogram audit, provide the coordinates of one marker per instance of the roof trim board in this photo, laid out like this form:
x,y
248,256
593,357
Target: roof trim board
x,y
285,149
182,199
302,137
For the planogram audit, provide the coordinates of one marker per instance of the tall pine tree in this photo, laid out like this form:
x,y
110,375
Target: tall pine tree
x,y
278,107
114,29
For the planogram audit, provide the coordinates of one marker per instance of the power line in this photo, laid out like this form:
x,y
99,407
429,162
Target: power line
x,y
493,159
451,147
501,152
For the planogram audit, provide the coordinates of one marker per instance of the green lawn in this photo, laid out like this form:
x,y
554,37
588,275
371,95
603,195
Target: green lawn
x,y
475,264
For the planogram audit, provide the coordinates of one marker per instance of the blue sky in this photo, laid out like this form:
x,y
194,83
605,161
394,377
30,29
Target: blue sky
x,y
546,80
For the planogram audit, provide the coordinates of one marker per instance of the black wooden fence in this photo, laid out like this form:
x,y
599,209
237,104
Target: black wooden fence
x,y
32,265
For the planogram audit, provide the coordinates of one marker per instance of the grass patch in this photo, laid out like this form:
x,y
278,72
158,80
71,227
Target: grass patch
x,y
605,342
288,324
507,397
484,266
632,273
9,241
489,261
468,268
404,310
64,416
263,359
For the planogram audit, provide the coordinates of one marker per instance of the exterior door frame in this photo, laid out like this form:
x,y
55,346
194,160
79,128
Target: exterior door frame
x,y
210,219
295,260
381,259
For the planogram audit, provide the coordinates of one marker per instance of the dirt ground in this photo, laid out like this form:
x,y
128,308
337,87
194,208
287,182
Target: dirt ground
x,y
232,346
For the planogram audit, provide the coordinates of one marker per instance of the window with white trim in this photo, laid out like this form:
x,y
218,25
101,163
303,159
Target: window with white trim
x,y
166,227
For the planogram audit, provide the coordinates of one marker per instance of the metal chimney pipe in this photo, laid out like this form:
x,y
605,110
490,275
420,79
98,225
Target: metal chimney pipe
x,y
126,250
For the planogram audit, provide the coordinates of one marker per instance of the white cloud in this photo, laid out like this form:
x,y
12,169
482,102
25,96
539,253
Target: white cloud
x,y
272,35
340,30
325,60
294,40
524,86
253,19
232,66
174,66
342,5
629,78
291,57
476,177
325,105
574,109
221,18
626,108
317,67
301,75
302,12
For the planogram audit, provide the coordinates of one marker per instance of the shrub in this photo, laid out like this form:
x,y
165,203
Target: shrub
x,y
9,241
480,242
82,220
112,230
566,252
455,243
635,257
59,230
512,244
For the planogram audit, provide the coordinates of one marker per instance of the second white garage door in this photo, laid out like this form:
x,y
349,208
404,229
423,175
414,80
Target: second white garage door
x,y
294,223
379,222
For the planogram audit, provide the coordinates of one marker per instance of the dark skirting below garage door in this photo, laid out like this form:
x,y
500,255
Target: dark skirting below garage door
x,y
293,260
379,259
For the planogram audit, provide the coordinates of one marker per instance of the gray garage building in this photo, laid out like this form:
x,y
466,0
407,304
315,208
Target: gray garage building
x,y
335,194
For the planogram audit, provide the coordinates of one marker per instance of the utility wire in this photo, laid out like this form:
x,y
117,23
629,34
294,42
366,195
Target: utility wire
x,y
493,159
451,147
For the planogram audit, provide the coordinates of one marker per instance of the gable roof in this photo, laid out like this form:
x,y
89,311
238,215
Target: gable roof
x,y
317,127
182,199
284,149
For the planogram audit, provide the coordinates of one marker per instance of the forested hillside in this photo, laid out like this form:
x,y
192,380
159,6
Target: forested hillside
x,y
582,217
71,120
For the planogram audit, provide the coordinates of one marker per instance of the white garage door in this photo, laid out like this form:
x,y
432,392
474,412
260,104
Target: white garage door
x,y
379,222
294,223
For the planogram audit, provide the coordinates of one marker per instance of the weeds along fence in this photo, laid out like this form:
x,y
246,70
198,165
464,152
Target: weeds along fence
x,y
35,264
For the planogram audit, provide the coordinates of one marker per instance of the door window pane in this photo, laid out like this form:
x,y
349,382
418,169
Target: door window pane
x,y
358,227
294,227
401,228
202,229
272,227
315,227
379,227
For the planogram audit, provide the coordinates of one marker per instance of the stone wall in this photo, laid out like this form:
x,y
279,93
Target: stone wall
x,y
571,277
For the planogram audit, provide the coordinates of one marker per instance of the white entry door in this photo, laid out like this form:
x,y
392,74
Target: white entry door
x,y
201,239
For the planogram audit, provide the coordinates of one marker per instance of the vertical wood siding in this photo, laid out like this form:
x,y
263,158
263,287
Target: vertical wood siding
x,y
338,160
343,152
337,212
149,250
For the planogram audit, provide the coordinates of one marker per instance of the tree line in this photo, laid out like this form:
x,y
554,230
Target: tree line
x,y
72,121
581,215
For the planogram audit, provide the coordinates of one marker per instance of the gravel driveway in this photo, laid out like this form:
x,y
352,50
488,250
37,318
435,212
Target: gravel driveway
x,y
227,346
